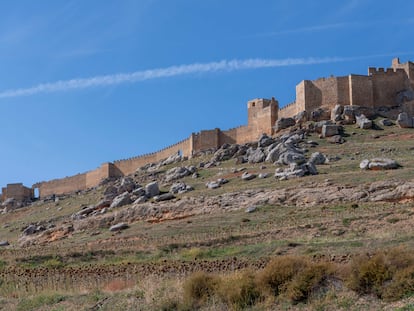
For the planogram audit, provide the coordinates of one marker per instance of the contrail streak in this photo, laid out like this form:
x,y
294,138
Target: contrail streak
x,y
173,71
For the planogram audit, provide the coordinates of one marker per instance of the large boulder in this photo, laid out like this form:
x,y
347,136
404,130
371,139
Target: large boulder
x,y
404,120
379,164
152,189
177,173
225,152
329,130
255,155
295,170
336,113
127,184
164,197
290,157
265,141
121,200
284,123
174,158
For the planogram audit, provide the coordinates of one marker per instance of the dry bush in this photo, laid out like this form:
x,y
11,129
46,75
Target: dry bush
x,y
275,277
311,280
369,274
199,288
239,290
401,285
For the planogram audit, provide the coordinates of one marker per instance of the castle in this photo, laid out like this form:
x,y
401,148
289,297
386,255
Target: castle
x,y
390,88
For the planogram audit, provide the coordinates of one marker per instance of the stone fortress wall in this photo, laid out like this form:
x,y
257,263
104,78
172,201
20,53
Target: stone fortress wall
x,y
380,88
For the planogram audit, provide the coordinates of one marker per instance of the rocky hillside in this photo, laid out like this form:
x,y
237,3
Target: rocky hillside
x,y
320,190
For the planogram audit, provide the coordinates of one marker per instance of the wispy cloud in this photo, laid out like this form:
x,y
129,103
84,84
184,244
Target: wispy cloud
x,y
173,71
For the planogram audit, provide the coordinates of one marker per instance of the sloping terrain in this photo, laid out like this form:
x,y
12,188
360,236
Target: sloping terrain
x,y
70,257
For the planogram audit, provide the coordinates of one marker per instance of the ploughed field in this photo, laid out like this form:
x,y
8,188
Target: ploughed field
x,y
340,239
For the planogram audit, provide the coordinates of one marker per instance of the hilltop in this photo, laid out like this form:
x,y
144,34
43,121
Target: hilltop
x,y
126,245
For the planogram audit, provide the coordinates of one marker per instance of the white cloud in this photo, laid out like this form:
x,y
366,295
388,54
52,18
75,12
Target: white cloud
x,y
173,71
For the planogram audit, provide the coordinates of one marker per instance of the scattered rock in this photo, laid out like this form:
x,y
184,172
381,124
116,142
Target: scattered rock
x,y
174,158
248,176
119,227
140,200
337,139
180,187
263,175
31,229
318,158
4,243
251,209
178,172
164,197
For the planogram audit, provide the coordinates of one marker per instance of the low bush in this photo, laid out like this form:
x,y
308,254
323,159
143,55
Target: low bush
x,y
199,288
279,272
311,280
239,290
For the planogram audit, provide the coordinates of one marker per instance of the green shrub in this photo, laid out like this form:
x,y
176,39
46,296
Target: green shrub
x,y
199,288
239,290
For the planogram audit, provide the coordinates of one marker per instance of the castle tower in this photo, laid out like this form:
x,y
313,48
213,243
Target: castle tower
x,y
262,115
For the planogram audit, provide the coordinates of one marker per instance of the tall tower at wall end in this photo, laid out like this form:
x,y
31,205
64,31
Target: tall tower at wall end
x,y
262,115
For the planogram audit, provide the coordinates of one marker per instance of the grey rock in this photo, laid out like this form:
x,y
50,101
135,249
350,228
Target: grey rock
x,y
222,181
284,123
386,122
329,130
364,165
121,200
251,209
255,155
4,243
336,113
263,175
127,185
177,173
404,120
337,139
119,227
317,127
174,158
301,117
164,197
31,229
382,164
289,157
139,192
363,122
140,200
213,185
265,141
180,187
318,158
248,176
152,189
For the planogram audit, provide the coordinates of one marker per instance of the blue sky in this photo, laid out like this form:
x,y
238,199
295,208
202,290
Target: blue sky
x,y
87,82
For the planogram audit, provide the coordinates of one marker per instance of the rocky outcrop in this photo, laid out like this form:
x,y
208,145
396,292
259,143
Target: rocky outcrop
x,y
404,120
363,122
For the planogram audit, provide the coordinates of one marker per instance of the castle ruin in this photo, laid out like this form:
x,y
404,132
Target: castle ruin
x,y
390,88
